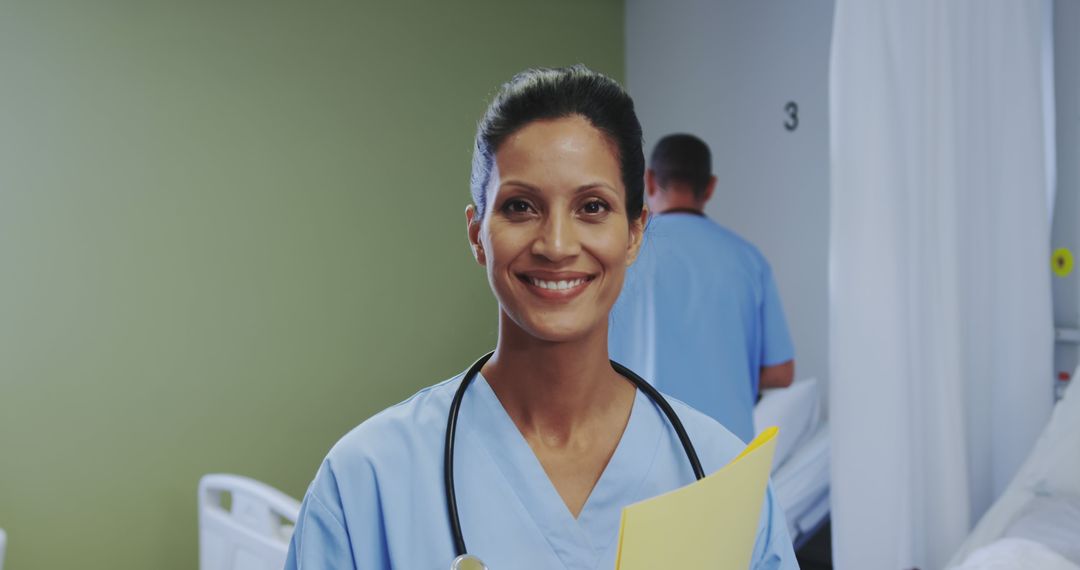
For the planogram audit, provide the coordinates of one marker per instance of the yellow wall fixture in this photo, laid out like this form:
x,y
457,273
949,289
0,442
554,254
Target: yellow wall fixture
x,y
1062,262
229,232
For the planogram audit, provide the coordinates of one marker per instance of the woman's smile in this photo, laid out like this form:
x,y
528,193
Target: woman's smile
x,y
556,287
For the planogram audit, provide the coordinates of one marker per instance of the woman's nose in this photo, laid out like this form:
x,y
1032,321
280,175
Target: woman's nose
x,y
558,239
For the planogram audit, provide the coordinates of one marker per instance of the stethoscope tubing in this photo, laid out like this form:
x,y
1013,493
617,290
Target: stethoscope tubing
x,y
448,453
451,432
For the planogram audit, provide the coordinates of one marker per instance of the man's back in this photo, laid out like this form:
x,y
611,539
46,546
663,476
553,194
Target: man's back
x,y
699,316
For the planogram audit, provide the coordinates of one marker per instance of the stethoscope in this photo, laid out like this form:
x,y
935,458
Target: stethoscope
x,y
466,561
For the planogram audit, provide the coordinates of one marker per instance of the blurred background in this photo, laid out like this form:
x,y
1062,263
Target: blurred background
x,y
231,231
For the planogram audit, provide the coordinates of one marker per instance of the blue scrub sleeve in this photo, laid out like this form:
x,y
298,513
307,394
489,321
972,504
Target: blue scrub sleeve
x,y
773,549
777,347
321,538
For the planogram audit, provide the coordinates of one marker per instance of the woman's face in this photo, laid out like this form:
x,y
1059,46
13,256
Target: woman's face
x,y
555,239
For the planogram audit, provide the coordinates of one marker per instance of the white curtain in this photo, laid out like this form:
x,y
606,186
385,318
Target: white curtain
x,y
940,317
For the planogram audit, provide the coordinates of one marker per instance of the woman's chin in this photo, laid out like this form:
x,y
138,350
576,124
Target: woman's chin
x,y
561,331
553,326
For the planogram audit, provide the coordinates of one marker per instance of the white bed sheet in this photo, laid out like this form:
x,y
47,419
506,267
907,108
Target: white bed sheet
x,y
1051,474
796,410
801,484
1053,521
1015,554
800,471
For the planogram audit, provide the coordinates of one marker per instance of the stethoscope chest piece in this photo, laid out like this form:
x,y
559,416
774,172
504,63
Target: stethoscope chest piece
x,y
467,562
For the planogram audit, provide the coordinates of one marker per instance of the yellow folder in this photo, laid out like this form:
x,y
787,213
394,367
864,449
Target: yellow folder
x,y
709,524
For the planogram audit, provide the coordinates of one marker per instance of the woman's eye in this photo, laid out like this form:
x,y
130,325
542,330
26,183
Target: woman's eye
x,y
517,207
595,207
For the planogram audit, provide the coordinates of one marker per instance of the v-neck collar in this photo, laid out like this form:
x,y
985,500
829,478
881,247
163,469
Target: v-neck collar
x,y
596,528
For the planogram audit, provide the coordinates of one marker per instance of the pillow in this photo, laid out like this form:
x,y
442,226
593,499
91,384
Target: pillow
x,y
796,410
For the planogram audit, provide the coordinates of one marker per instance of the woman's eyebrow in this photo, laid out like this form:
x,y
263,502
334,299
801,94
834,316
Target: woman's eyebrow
x,y
594,185
519,184
535,190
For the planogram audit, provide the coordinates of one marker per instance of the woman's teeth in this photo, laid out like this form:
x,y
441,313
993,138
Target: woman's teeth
x,y
558,285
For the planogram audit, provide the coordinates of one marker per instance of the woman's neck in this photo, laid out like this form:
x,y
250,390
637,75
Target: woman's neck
x,y
554,390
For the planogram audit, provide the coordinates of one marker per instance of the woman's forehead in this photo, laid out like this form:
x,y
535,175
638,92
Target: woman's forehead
x,y
559,151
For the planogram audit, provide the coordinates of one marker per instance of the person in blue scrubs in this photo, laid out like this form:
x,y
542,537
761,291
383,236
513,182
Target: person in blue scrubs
x,y
700,316
552,443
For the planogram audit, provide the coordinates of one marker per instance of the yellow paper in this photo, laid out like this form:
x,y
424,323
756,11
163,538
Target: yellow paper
x,y
709,524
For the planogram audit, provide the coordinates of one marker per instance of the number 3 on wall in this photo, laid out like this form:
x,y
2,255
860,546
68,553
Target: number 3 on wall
x,y
792,110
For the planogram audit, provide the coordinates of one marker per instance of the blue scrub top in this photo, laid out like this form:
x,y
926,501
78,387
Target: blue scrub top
x,y
699,315
378,499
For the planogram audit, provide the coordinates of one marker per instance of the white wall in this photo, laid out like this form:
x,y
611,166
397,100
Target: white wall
x,y
724,70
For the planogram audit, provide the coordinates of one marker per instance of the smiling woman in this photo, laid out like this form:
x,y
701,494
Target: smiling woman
x,y
556,241
553,441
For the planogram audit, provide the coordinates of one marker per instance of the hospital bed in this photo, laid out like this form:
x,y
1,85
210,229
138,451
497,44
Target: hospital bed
x,y
243,524
1035,524
800,473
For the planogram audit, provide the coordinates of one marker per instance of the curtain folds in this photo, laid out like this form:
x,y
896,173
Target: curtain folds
x,y
940,310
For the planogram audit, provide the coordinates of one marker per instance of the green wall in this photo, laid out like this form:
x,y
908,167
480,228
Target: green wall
x,y
230,231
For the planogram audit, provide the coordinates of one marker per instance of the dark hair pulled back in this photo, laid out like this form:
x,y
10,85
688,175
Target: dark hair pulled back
x,y
545,94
